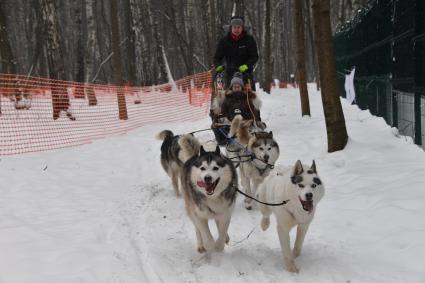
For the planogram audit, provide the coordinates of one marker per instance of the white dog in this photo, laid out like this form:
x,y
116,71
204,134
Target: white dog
x,y
304,189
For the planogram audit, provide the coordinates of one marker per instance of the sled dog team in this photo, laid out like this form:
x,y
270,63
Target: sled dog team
x,y
209,183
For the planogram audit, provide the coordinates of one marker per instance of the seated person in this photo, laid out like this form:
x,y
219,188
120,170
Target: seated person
x,y
236,102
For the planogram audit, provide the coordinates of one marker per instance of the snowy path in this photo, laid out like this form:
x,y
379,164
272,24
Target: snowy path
x,y
105,212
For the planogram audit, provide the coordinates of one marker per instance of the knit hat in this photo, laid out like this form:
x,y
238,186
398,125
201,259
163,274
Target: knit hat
x,y
236,81
236,21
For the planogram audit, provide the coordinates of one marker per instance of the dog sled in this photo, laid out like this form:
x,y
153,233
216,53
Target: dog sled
x,y
221,114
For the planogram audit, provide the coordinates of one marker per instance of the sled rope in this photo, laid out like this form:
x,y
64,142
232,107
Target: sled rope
x,y
259,201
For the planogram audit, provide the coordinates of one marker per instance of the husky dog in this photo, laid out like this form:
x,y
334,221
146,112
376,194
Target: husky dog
x,y
304,189
257,157
173,158
209,183
218,96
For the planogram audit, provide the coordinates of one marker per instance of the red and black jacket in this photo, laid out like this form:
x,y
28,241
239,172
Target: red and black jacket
x,y
236,52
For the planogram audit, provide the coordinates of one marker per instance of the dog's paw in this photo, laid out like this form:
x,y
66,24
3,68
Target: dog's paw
x,y
201,250
210,245
219,246
296,252
248,204
265,223
291,267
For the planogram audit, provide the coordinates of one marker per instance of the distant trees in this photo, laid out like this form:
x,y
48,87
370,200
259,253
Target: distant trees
x,y
186,31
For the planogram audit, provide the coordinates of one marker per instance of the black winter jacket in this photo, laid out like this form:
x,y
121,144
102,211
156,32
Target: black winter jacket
x,y
236,53
237,100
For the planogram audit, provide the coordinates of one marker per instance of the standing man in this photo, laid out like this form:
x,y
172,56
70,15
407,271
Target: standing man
x,y
239,51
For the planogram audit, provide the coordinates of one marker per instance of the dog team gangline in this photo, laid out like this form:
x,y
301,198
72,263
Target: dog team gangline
x,y
252,157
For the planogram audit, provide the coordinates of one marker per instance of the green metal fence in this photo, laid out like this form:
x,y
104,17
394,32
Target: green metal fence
x,y
385,42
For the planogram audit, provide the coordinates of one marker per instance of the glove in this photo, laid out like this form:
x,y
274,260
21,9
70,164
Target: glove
x,y
243,68
219,69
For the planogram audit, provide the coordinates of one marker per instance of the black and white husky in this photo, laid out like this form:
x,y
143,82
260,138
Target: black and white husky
x,y
173,158
209,183
303,188
257,153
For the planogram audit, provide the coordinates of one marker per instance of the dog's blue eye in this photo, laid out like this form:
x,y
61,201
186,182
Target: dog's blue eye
x,y
301,185
215,168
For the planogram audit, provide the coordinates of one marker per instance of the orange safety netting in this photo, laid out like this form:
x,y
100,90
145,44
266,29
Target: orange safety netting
x,y
39,114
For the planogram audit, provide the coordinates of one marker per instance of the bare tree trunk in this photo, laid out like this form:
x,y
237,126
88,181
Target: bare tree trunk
x,y
140,45
301,76
79,73
6,56
213,26
334,117
162,75
60,98
7,59
268,67
238,8
313,50
116,61
190,34
131,52
89,51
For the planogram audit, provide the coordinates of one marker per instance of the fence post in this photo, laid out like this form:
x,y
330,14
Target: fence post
x,y
122,106
419,59
189,85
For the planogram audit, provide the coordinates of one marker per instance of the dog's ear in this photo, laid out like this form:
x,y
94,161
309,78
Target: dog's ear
x,y
313,167
202,151
271,134
298,168
217,150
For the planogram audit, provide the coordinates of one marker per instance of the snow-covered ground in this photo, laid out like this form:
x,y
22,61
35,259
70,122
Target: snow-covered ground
x,y
105,212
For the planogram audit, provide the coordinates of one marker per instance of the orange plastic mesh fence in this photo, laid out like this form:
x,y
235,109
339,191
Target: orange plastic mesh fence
x,y
38,114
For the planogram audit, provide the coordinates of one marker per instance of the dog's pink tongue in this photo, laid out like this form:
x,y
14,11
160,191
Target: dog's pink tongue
x,y
308,205
209,187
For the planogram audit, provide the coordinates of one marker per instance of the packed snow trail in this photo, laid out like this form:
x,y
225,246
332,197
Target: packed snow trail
x,y
106,212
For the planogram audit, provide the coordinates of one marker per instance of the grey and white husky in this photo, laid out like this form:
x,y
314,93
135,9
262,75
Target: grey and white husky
x,y
257,153
173,158
303,188
209,183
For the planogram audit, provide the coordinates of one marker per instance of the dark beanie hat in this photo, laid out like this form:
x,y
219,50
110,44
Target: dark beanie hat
x,y
236,21
236,81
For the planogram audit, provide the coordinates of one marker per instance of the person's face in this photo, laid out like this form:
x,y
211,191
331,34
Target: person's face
x,y
236,29
236,87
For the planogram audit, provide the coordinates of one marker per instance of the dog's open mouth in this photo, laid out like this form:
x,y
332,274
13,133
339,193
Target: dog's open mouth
x,y
307,205
209,187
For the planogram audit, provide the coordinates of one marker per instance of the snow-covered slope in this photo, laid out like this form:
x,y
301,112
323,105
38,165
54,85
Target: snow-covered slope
x,y
106,212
